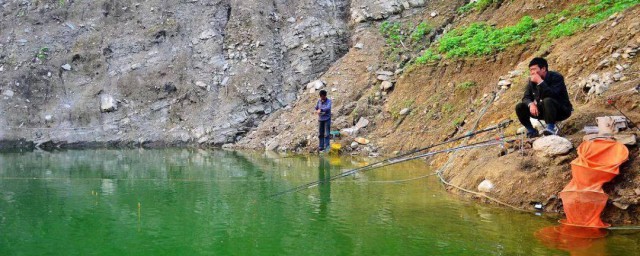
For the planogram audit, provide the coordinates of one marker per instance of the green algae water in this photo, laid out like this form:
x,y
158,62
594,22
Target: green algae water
x,y
194,202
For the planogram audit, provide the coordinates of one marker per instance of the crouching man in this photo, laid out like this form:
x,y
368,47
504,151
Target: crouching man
x,y
545,98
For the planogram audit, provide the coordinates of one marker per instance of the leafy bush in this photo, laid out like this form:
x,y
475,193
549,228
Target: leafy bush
x,y
420,31
393,32
467,85
479,5
428,57
480,39
592,13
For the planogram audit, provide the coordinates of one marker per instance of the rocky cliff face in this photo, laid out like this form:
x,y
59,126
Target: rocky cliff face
x,y
193,71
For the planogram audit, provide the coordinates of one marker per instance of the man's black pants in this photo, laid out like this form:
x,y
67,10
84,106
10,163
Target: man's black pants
x,y
324,130
550,111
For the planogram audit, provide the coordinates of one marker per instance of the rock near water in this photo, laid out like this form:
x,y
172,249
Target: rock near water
x,y
552,145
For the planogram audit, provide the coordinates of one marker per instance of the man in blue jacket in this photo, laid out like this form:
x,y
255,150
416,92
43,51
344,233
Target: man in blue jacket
x,y
323,110
545,98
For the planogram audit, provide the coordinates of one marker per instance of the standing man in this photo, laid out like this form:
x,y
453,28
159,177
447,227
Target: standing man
x,y
323,110
544,98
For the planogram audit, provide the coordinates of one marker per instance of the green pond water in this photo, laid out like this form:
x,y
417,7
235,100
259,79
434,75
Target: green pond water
x,y
194,202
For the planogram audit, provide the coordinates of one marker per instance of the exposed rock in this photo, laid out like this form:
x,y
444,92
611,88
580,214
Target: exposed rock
x,y
504,83
433,14
552,145
108,103
317,85
362,141
404,111
354,144
209,33
201,84
485,186
522,130
383,78
386,85
291,20
48,118
617,77
359,46
8,93
620,205
362,123
66,67
385,73
351,131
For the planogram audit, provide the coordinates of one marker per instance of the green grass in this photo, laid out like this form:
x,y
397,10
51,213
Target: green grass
x,y
480,39
420,31
393,32
467,85
586,15
428,57
479,5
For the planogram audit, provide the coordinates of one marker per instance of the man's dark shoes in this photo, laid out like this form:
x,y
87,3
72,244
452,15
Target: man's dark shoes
x,y
533,134
551,129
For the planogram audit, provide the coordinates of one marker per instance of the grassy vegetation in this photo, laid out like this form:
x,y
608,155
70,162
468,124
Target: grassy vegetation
x,y
482,39
404,37
420,31
428,57
479,5
586,15
467,85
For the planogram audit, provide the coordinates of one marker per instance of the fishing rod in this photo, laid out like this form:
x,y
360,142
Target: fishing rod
x,y
499,140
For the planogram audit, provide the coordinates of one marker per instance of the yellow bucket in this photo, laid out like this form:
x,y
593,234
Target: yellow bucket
x,y
335,148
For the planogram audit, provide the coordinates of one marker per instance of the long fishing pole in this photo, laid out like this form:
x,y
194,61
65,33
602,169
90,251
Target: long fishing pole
x,y
379,164
386,163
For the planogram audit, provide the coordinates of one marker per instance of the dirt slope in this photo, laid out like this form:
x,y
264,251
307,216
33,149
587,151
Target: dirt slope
x,y
440,108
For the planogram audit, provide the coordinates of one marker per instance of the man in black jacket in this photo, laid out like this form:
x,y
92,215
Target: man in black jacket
x,y
545,98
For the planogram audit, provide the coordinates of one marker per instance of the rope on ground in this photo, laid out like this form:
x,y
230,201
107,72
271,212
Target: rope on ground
x,y
405,180
453,155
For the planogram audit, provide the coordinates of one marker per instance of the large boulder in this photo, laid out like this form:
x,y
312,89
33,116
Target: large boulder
x,y
552,145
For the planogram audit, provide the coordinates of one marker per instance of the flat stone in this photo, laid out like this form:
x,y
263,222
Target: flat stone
x,y
66,67
504,83
354,144
485,186
386,85
383,78
209,33
433,14
617,76
201,84
522,130
359,46
317,84
362,123
404,111
291,20
108,103
552,145
362,141
9,93
386,73
622,206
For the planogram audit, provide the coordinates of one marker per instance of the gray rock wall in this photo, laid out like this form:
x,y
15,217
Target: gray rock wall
x,y
188,71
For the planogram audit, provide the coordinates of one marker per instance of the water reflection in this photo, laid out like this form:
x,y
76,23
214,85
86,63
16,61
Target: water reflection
x,y
324,188
578,241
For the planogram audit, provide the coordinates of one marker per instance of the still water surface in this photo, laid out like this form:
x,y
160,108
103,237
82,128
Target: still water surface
x,y
193,202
